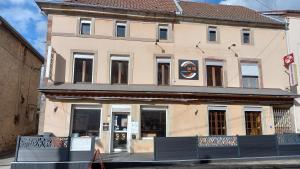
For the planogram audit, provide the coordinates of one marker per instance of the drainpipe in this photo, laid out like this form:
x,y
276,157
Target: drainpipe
x,y
178,7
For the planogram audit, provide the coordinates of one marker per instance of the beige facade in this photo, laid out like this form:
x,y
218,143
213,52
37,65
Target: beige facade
x,y
20,78
186,40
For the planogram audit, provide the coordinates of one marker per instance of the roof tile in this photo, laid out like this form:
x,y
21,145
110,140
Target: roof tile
x,y
224,12
167,6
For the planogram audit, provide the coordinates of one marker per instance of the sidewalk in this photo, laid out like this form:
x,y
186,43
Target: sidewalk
x,y
6,159
145,161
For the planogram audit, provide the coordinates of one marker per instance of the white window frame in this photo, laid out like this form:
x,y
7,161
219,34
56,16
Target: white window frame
x,y
258,75
168,32
83,56
213,28
85,21
250,36
86,107
153,108
164,60
120,23
119,58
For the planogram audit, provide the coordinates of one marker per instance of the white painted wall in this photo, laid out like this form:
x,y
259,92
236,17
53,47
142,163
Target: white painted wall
x,y
293,43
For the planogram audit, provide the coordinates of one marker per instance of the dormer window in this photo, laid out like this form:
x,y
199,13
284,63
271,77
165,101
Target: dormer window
x,y
163,32
85,27
121,29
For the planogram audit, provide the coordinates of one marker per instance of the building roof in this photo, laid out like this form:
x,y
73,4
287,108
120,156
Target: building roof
x,y
166,6
21,39
224,12
282,13
185,8
70,87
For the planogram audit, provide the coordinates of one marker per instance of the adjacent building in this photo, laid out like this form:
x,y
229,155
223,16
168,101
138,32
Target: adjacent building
x,y
292,20
20,69
128,71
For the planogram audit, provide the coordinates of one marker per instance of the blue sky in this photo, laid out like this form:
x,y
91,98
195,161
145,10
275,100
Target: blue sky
x,y
26,18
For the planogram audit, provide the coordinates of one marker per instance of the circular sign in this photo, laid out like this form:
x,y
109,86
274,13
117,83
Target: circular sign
x,y
188,69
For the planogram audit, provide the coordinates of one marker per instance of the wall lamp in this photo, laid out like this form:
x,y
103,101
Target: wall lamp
x,y
162,49
197,46
230,48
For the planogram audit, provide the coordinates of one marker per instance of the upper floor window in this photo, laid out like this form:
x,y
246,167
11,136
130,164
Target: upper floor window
x,y
83,68
214,73
163,71
212,34
85,27
246,36
119,70
250,75
163,31
121,29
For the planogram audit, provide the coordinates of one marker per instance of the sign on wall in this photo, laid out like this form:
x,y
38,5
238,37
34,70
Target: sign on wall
x,y
81,144
134,127
288,59
188,69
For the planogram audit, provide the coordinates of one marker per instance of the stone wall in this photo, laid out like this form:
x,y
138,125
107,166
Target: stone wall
x,y
19,80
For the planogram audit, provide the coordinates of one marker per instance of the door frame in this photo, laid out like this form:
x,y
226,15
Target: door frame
x,y
123,108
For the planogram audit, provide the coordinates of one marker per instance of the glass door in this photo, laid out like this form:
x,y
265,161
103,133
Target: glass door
x,y
120,123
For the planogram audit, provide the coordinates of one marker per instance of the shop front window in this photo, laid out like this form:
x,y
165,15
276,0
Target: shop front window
x,y
153,123
86,121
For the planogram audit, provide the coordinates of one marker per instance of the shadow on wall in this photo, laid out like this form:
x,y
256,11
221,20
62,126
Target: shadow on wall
x,y
60,69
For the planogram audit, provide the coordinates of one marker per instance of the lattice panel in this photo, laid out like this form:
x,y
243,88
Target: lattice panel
x,y
217,141
285,139
30,143
283,121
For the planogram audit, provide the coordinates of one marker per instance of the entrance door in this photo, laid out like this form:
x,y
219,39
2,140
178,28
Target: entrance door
x,y
120,123
253,122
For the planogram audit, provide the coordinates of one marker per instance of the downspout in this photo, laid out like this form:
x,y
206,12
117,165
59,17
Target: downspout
x,y
179,10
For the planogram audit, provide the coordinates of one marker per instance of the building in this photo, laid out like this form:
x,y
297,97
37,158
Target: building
x,y
20,69
128,71
292,19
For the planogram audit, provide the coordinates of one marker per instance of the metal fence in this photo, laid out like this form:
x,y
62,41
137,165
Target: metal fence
x,y
50,149
185,148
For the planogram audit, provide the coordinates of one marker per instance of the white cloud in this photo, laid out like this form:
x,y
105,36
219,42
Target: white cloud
x,y
26,18
20,17
39,43
265,5
41,26
16,2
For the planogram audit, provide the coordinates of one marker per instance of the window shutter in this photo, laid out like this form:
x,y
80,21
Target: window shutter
x,y
250,69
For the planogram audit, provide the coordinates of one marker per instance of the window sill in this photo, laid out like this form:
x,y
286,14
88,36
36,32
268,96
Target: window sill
x,y
84,36
165,41
213,42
